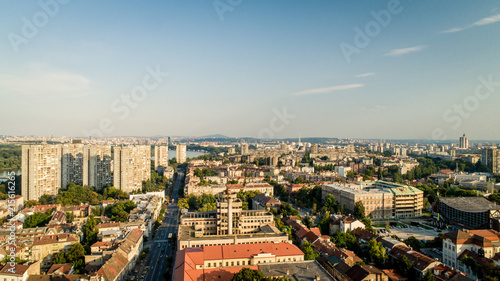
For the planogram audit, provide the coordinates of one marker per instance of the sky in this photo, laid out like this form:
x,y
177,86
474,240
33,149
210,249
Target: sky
x,y
270,69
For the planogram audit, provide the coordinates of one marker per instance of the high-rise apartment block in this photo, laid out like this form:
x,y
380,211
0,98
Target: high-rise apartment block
x,y
131,166
161,158
244,149
72,164
181,153
41,170
47,168
464,142
490,157
97,166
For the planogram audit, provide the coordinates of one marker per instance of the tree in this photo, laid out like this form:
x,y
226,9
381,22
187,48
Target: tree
x,y
377,252
31,203
120,211
90,231
309,253
37,220
70,217
429,276
324,224
359,210
183,203
75,256
59,258
344,240
413,242
207,207
308,222
331,204
403,264
75,252
247,274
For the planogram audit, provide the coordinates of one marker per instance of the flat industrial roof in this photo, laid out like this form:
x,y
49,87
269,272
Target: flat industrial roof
x,y
470,204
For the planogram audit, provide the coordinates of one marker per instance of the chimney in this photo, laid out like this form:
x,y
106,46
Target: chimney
x,y
317,278
288,272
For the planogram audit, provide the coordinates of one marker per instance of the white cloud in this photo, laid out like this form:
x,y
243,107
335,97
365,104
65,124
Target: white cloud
x,y
45,83
404,51
377,108
328,89
366,74
481,22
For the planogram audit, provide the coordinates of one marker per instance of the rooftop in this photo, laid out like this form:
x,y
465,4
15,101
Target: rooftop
x,y
306,270
469,204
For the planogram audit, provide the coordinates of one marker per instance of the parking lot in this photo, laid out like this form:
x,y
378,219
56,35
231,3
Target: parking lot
x,y
405,231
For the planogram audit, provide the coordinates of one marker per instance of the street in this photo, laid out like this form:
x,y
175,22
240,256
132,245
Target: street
x,y
155,265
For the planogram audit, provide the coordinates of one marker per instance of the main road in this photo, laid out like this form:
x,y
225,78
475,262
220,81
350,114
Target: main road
x,y
155,266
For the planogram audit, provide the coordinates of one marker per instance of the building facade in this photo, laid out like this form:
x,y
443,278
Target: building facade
x,y
381,199
161,158
464,142
41,170
181,153
131,166
490,158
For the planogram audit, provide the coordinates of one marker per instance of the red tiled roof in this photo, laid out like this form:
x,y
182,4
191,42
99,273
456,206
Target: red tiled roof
x,y
18,269
420,261
55,238
64,268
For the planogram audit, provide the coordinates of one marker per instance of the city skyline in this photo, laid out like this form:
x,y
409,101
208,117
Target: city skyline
x,y
362,70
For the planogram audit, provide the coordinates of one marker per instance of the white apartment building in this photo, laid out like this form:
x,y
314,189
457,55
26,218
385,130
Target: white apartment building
x,y
181,153
161,158
132,165
41,170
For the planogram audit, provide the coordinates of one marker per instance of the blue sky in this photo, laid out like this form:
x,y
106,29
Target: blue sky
x,y
235,66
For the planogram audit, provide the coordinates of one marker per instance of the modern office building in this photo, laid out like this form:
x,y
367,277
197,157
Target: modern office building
x,y
131,166
181,153
464,142
490,157
161,158
41,170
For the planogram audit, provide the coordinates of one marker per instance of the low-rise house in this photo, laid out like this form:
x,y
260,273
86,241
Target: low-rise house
x,y
123,259
59,217
18,272
261,201
394,275
365,273
47,245
61,269
446,273
345,224
485,242
421,262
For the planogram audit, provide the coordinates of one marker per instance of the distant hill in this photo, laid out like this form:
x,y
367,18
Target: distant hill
x,y
215,136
